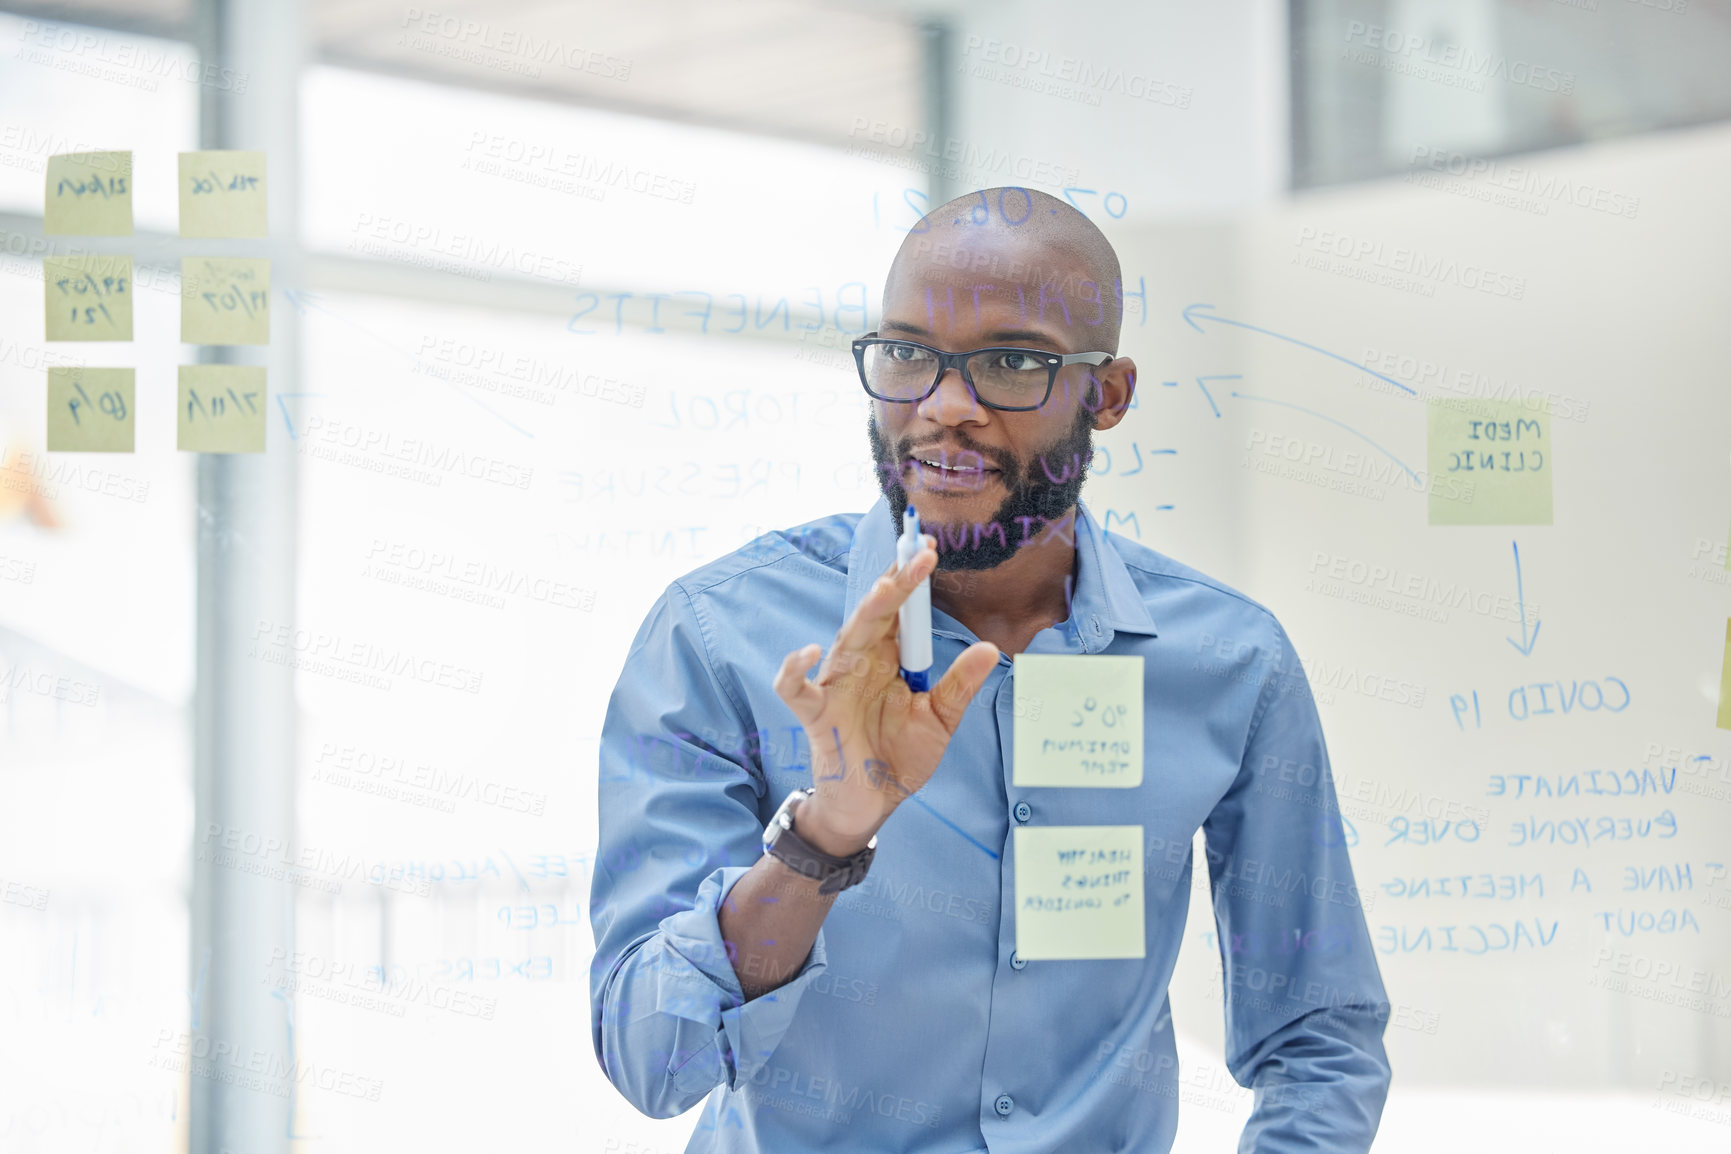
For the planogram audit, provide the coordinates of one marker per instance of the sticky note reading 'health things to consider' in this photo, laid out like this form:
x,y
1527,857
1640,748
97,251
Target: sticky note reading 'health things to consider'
x,y
222,194
225,300
1079,892
1490,461
221,409
1724,721
88,194
1078,721
89,410
88,297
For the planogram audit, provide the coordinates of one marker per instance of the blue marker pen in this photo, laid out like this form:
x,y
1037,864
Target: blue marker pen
x,y
914,619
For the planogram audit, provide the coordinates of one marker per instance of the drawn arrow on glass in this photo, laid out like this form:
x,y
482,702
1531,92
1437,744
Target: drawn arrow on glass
x,y
1333,421
1194,313
1525,644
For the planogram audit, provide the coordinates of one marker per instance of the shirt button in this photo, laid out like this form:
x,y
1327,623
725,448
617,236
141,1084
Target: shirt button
x,y
1004,1104
1017,961
1024,811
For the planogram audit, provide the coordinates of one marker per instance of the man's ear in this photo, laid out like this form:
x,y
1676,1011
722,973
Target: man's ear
x,y
1116,380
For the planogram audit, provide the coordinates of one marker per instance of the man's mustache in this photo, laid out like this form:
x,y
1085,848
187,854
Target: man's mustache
x,y
996,459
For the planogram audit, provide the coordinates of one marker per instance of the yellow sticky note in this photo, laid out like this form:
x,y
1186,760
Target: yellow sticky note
x,y
221,409
225,300
88,297
88,194
1079,892
222,194
1490,461
1078,720
1724,721
89,410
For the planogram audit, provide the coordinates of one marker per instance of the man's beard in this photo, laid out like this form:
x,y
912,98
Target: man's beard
x,y
1039,490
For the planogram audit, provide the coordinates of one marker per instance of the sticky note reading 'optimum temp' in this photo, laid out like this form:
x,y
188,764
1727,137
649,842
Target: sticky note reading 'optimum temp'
x,y
89,410
1078,721
1724,721
1490,461
88,194
225,300
221,409
222,194
88,297
1079,892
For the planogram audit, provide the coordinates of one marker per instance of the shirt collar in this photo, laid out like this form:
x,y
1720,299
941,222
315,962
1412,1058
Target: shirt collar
x,y
1106,599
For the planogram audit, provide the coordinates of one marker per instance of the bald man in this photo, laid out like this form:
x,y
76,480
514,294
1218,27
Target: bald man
x,y
805,904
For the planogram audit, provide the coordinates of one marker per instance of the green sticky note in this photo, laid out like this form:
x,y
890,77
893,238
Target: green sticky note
x,y
1079,892
221,409
88,297
89,410
1490,461
88,194
225,300
1724,721
222,194
1078,720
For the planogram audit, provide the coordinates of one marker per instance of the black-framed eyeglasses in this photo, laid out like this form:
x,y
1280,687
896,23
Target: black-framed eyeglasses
x,y
1002,377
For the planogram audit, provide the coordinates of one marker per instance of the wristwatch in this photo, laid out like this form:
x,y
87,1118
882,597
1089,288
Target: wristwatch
x,y
835,873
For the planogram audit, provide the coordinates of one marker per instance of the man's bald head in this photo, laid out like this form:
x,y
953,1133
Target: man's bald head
x,y
1021,246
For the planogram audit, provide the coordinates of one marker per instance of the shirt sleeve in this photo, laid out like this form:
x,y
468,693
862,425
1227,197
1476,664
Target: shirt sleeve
x,y
1304,1000
679,826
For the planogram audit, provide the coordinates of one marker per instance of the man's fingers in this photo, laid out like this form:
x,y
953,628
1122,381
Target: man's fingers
x,y
804,698
956,689
875,616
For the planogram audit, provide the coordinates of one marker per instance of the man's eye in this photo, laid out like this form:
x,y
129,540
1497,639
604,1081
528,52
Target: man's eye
x,y
905,352
1019,362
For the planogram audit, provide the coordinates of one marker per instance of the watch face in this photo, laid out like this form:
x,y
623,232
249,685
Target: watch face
x,y
784,812
782,818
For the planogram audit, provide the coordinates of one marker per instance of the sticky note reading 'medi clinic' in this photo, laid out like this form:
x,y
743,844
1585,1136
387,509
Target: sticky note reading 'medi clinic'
x,y
88,194
222,194
90,410
1079,892
1078,721
221,409
1490,461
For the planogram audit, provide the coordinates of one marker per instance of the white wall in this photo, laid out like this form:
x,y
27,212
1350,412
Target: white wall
x,y
1620,322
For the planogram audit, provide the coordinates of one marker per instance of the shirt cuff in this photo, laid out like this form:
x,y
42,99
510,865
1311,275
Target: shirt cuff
x,y
748,1032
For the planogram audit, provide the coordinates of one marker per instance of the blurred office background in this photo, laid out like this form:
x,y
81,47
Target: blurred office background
x,y
298,751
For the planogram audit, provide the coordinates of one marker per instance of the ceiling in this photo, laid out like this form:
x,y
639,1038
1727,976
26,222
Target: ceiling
x,y
793,68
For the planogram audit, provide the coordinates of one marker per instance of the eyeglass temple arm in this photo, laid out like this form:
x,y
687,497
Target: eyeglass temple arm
x,y
1095,359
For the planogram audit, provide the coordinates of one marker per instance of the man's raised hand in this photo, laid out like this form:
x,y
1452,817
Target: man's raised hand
x,y
873,740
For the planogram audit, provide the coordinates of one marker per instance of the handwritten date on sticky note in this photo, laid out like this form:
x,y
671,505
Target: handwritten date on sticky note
x,y
1079,892
88,194
222,409
1491,462
225,300
88,297
222,193
1087,729
89,410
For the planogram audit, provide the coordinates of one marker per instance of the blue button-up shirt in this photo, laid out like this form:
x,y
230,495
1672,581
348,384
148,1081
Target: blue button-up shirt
x,y
913,1025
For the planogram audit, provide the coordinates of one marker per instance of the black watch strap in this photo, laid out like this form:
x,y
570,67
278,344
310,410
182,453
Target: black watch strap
x,y
834,874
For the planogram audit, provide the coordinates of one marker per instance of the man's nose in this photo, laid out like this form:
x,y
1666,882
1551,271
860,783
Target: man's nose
x,y
951,402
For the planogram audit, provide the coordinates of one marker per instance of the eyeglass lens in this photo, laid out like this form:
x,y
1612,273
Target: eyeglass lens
x,y
905,372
